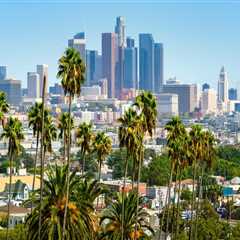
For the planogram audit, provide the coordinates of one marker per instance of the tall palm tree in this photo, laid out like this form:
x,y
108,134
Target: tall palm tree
x,y
84,135
111,220
4,106
71,71
63,122
102,146
13,132
205,164
43,116
175,134
197,152
146,102
147,105
127,135
79,220
35,122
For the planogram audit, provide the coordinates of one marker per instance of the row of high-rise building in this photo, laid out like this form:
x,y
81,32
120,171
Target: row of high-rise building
x,y
121,62
13,87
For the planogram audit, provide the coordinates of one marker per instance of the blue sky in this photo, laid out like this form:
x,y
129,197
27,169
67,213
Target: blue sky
x,y
198,36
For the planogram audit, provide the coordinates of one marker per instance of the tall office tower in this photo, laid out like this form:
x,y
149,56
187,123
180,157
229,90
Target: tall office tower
x,y
33,85
12,88
94,67
232,94
130,42
130,67
42,70
109,61
158,67
205,86
209,101
146,62
78,42
223,86
120,31
187,99
3,72
119,77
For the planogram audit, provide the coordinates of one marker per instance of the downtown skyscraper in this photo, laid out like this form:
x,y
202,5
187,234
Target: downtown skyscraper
x,y
150,63
42,70
130,65
109,61
223,86
78,42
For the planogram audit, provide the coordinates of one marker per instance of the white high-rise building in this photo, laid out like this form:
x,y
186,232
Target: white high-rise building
x,y
167,104
209,101
223,87
42,70
33,84
120,31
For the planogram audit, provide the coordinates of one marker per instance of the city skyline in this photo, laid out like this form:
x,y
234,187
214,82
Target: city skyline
x,y
194,51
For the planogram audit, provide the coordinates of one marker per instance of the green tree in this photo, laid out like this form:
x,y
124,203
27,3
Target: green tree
x,y
13,132
102,146
146,103
35,122
79,222
71,71
178,156
128,138
111,219
63,122
84,135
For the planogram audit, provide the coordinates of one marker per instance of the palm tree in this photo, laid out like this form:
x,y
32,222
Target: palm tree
x,y
4,107
13,132
147,105
146,102
197,152
102,146
43,116
79,222
128,139
84,134
111,219
63,126
208,155
35,121
71,71
176,134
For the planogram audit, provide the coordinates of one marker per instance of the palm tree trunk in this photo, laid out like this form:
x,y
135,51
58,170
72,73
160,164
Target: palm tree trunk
x,y
10,187
169,200
99,176
84,160
42,158
68,166
166,204
141,152
178,202
123,195
133,173
64,147
198,203
174,197
193,199
35,168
